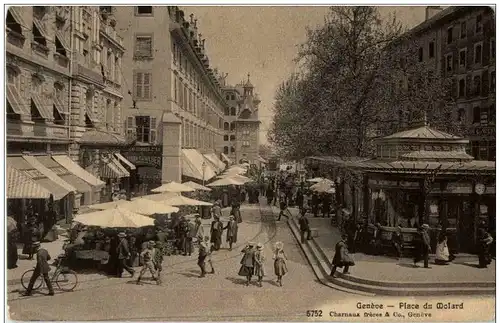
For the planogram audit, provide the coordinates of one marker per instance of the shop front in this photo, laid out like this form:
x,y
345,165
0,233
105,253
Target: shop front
x,y
418,176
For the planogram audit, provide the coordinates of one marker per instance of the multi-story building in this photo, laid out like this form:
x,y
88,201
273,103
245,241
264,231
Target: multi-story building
x,y
175,107
459,43
241,126
60,101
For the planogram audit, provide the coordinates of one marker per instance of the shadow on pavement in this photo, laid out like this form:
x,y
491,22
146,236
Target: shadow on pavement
x,y
237,281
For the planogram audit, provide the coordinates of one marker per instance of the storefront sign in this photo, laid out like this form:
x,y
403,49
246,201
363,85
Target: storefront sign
x,y
144,156
394,184
482,131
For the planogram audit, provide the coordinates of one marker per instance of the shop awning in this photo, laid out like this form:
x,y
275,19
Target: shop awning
x,y
21,186
124,160
42,107
38,177
80,185
193,165
59,106
225,158
75,169
15,101
218,164
120,166
17,17
33,161
111,170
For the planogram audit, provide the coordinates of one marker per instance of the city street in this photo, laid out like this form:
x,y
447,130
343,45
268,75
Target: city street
x,y
185,296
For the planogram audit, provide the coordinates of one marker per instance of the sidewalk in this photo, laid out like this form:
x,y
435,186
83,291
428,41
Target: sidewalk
x,y
384,268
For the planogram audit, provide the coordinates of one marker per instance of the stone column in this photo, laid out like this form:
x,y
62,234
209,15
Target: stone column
x,y
171,169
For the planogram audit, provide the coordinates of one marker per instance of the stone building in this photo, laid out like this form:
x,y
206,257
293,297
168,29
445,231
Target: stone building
x,y
459,43
241,126
174,106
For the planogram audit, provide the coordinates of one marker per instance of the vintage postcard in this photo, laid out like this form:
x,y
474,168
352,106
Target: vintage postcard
x,y
250,163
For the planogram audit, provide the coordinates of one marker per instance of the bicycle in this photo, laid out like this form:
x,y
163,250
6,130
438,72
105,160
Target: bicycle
x,y
65,279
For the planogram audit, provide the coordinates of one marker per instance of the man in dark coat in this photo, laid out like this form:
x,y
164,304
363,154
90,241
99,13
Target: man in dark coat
x,y
42,268
423,246
304,227
341,257
216,233
283,206
247,262
315,204
232,232
123,253
183,233
191,233
299,197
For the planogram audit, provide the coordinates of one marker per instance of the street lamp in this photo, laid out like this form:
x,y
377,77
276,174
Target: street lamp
x,y
203,167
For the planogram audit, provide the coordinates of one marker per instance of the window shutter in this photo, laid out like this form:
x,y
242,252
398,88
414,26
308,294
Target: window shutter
x,y
175,89
152,131
146,86
130,126
138,85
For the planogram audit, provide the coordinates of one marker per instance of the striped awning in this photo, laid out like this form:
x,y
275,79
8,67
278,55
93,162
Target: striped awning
x,y
15,100
194,165
75,169
38,177
42,107
120,167
33,161
110,169
80,185
21,186
125,161
215,161
225,158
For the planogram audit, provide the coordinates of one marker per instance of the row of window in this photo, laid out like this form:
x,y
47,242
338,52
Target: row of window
x,y
229,111
229,138
229,126
143,128
483,150
462,56
189,72
483,116
196,136
228,149
451,33
477,85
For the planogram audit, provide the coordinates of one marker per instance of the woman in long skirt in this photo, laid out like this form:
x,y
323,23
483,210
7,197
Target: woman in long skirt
x,y
279,262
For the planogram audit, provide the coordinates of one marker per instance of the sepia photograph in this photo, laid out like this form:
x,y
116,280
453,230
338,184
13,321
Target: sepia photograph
x,y
251,163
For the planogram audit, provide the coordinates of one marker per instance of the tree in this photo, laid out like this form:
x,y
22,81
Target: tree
x,y
265,151
358,81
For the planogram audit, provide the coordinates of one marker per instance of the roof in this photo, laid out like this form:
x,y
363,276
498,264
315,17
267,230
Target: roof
x,y
425,154
424,132
102,137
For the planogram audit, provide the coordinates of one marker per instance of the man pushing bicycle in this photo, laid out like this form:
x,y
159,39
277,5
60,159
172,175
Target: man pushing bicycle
x,y
42,268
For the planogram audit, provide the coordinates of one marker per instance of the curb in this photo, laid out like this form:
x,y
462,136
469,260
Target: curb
x,y
373,287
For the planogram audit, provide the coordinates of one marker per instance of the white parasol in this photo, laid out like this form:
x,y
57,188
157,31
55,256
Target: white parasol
x,y
319,179
173,187
226,181
175,199
323,186
108,205
117,217
139,205
197,186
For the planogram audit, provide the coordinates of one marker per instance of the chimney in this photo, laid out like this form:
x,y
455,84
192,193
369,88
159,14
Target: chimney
x,y
431,11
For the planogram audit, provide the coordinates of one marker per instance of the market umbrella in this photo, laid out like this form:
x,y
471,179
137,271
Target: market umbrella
x,y
117,217
226,181
241,178
197,186
322,187
173,187
317,179
139,205
175,199
11,224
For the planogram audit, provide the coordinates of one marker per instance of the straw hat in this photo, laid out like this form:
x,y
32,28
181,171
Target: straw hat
x,y
260,246
278,245
121,235
151,243
251,244
36,244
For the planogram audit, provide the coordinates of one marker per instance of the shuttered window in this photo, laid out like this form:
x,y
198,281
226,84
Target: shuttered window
x,y
142,85
143,46
152,136
131,130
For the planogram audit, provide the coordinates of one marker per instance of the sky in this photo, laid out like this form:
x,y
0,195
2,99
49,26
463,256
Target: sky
x,y
263,41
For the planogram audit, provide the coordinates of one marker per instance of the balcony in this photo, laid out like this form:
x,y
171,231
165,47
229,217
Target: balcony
x,y
85,73
110,33
28,130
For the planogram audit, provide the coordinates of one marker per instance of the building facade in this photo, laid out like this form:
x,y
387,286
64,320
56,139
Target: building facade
x,y
174,103
459,43
63,98
241,125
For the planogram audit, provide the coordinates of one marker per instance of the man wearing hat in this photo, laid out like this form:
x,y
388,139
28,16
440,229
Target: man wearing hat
x,y
232,232
123,252
259,263
42,268
247,262
190,234
148,255
423,246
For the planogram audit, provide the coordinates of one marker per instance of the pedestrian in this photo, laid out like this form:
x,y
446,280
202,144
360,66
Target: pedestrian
x,y
12,255
216,210
216,232
123,253
42,268
423,246
280,259
484,242
134,253
341,257
183,233
148,256
397,242
158,260
203,251
232,232
199,230
270,193
327,199
299,196
442,251
190,234
208,259
247,262
315,203
31,235
259,259
304,227
283,206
